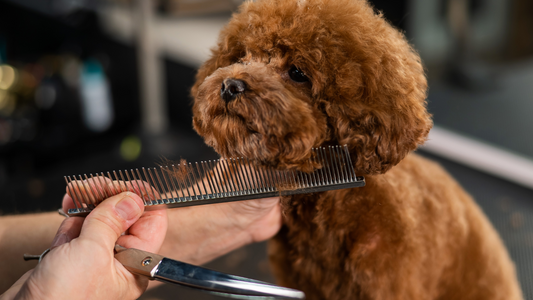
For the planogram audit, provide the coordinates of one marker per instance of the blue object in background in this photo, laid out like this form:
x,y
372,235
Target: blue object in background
x,y
95,95
3,47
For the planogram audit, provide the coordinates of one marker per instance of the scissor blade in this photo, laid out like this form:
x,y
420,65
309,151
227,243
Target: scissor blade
x,y
213,281
168,270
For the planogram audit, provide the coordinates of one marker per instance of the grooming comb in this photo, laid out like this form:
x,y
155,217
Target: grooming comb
x,y
207,182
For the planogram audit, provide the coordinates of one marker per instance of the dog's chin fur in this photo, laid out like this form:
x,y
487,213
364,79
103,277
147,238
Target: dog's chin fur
x,y
412,232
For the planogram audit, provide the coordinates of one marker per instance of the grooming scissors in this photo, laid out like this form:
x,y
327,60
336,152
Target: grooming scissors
x,y
157,267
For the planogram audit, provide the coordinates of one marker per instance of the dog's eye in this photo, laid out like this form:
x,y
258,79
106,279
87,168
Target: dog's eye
x,y
297,75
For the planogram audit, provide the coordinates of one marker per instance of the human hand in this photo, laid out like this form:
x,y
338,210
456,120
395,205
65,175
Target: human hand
x,y
199,234
81,263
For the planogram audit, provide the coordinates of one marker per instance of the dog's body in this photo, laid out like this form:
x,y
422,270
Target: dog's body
x,y
290,75
412,233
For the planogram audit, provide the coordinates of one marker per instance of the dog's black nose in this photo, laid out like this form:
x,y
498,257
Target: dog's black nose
x,y
231,88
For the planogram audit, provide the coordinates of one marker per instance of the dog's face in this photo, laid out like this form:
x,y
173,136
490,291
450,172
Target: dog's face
x,y
290,75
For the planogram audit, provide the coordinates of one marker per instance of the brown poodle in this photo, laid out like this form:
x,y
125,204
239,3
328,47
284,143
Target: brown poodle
x,y
290,75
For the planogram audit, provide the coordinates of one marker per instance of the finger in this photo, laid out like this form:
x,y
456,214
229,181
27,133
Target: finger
x,y
84,191
67,203
95,189
92,190
111,218
15,288
68,230
147,233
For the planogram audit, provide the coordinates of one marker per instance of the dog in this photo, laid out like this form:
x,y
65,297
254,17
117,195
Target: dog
x,y
290,75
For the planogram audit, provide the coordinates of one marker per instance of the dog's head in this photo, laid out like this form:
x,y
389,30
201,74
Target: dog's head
x,y
290,75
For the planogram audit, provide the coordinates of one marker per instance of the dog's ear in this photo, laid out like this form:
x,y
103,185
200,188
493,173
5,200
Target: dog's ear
x,y
376,103
205,70
228,51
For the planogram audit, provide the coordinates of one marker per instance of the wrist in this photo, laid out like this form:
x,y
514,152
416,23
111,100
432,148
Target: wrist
x,y
199,234
259,219
21,234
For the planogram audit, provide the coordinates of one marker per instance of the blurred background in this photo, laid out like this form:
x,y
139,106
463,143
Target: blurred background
x,y
95,85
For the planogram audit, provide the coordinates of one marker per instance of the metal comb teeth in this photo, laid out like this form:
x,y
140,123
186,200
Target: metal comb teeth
x,y
207,182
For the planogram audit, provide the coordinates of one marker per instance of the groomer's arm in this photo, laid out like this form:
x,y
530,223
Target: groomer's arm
x,y
195,234
19,234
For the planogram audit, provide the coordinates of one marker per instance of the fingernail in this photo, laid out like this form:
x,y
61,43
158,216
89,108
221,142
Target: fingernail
x,y
59,240
127,208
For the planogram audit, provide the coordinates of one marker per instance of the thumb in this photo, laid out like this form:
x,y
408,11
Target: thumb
x,y
111,218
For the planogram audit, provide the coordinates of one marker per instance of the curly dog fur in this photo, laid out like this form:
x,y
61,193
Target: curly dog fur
x,y
321,72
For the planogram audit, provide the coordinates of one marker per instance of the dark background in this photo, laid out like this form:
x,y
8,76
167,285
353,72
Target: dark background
x,y
40,146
